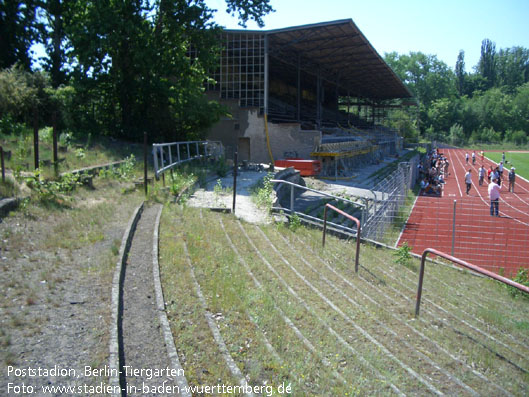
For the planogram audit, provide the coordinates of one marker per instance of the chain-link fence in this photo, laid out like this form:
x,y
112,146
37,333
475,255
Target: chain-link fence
x,y
464,228
384,210
381,210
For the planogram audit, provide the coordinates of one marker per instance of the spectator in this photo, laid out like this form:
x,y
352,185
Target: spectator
x,y
490,172
481,174
468,179
496,175
494,196
512,178
503,157
429,188
446,165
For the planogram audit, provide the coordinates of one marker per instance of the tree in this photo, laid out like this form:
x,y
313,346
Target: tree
x,y
140,65
17,32
52,34
249,10
512,65
486,65
460,72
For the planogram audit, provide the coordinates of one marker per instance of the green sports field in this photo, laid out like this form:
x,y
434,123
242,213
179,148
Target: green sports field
x,y
513,159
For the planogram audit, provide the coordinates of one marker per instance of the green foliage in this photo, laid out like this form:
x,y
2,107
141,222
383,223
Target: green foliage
x,y
18,29
486,104
9,127
456,134
48,191
46,134
522,277
181,181
80,153
294,222
221,167
403,256
124,172
264,196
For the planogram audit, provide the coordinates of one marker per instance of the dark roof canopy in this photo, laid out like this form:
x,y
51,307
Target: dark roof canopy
x,y
341,54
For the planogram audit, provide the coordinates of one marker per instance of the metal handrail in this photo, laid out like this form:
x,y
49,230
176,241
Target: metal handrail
x,y
470,266
158,154
295,185
348,217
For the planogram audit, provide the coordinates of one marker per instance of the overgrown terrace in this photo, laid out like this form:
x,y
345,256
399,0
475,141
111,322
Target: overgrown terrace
x,y
267,305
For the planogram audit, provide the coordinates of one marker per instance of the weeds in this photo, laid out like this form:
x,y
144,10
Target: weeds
x,y
294,222
522,277
48,191
403,256
263,192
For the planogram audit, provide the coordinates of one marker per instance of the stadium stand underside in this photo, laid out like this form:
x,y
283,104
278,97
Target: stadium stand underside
x,y
323,77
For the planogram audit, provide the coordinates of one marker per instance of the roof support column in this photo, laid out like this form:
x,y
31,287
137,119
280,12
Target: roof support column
x,y
298,92
266,73
318,100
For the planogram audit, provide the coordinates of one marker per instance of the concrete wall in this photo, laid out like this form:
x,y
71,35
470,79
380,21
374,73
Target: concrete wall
x,y
247,123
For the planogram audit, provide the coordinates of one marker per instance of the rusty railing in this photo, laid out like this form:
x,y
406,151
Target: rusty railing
x,y
348,217
467,265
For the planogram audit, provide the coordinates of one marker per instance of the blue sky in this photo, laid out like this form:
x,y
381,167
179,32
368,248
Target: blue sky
x,y
439,28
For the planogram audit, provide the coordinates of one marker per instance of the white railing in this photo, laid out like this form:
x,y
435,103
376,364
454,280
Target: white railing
x,y
168,155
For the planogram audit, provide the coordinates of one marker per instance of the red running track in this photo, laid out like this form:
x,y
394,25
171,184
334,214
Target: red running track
x,y
499,244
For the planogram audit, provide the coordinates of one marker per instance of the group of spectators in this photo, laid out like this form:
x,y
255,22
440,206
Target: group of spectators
x,y
433,172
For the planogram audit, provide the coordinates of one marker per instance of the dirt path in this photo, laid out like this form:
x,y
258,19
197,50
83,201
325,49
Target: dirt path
x,y
144,350
56,267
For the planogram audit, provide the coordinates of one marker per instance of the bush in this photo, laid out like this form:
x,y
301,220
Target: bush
x,y
519,138
457,136
522,277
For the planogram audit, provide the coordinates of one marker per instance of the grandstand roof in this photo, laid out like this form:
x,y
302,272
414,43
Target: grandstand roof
x,y
341,54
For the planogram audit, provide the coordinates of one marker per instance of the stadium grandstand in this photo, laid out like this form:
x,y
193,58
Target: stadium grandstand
x,y
317,91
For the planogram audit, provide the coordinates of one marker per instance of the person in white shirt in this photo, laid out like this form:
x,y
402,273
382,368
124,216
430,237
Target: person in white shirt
x,y
494,196
468,179
473,157
481,174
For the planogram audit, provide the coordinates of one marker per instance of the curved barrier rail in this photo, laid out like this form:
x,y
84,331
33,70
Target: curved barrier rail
x,y
169,155
467,265
348,217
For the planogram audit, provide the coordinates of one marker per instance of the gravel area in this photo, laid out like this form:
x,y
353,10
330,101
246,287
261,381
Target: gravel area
x,y
56,269
245,207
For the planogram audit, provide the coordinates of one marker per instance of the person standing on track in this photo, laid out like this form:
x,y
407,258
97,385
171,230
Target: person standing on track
x,y
468,179
473,157
482,156
481,174
466,157
490,172
512,177
494,196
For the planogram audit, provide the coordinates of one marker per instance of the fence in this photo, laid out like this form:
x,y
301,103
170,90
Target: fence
x,y
388,198
168,155
380,211
465,229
